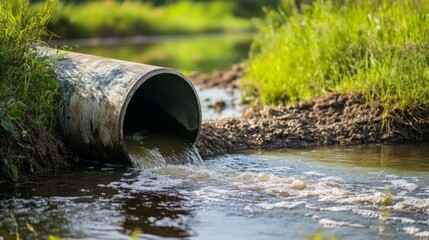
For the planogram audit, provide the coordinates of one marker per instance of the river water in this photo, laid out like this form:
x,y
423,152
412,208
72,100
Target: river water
x,y
202,53
351,192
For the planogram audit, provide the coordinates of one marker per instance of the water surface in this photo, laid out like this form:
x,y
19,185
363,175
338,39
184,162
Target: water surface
x,y
350,192
199,53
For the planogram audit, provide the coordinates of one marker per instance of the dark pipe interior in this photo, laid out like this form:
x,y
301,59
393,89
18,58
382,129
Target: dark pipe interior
x,y
166,104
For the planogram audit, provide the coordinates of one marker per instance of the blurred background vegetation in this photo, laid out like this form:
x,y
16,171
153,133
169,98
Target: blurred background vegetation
x,y
231,23
107,18
227,27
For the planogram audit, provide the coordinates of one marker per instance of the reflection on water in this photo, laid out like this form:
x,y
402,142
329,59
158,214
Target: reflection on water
x,y
287,194
399,157
203,53
149,150
231,97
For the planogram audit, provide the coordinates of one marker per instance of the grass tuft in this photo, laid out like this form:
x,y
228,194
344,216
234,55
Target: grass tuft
x,y
376,48
27,91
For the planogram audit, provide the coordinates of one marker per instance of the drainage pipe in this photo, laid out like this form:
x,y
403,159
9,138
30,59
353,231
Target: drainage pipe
x,y
103,99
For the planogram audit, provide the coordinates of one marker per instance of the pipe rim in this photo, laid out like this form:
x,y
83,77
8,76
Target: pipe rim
x,y
136,86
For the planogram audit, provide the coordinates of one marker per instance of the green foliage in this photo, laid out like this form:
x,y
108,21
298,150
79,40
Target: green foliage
x,y
376,48
27,90
10,111
112,18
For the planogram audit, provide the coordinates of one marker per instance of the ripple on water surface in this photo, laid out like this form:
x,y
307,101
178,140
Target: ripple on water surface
x,y
264,195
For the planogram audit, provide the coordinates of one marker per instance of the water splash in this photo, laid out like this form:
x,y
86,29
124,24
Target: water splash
x,y
149,150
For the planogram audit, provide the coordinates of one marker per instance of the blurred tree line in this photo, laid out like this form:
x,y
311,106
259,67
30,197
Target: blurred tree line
x,y
243,8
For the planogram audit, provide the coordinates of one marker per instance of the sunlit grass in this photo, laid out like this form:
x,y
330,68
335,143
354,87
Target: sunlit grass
x,y
112,18
376,48
27,92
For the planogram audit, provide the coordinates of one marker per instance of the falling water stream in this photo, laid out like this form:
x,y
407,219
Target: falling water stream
x,y
151,150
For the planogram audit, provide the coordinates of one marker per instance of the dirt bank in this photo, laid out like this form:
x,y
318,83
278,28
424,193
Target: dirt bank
x,y
328,120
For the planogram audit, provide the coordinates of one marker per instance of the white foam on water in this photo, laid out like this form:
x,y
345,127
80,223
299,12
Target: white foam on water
x,y
403,184
210,193
414,231
285,205
248,209
338,208
423,222
411,230
423,234
147,182
402,220
406,203
329,189
367,213
313,173
328,223
214,185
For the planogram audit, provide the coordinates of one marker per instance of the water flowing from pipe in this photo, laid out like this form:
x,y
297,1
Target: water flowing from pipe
x,y
152,150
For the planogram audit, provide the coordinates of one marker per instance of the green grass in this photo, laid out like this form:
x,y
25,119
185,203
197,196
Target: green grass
x,y
112,18
376,48
27,91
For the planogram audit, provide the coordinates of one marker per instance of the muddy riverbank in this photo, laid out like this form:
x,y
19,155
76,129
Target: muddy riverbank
x,y
330,120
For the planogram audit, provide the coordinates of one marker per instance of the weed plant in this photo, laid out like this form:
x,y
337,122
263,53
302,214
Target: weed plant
x,y
27,91
112,18
376,48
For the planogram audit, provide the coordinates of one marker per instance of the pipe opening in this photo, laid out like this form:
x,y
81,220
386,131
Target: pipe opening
x,y
164,104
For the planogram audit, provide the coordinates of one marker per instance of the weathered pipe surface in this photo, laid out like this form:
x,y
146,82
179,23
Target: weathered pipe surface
x,y
103,99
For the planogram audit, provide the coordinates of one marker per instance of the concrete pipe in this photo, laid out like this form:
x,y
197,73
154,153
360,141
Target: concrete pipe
x,y
103,99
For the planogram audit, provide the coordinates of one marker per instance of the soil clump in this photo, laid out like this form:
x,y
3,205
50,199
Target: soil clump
x,y
329,120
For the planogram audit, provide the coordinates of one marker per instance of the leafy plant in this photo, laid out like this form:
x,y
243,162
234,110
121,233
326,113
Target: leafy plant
x,y
9,111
